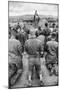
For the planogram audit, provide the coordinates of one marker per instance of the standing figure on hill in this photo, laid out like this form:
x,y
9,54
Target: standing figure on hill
x,y
36,18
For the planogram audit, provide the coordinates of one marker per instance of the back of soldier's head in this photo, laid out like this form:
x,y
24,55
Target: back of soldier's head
x,y
46,24
39,28
53,25
53,35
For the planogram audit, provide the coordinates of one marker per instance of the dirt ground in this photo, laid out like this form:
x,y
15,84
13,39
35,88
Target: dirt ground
x,y
47,79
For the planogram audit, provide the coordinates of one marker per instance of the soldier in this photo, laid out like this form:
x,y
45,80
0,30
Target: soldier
x,y
52,49
46,31
38,32
33,49
18,26
53,25
14,58
22,36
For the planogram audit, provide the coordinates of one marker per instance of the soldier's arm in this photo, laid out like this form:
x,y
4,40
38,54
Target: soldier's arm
x,y
20,49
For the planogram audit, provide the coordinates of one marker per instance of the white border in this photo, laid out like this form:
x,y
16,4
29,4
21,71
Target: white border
x,y
4,43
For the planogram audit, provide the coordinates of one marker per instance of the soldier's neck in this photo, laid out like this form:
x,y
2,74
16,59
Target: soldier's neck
x,y
12,37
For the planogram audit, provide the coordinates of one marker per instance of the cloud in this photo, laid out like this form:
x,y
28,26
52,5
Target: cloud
x,y
18,8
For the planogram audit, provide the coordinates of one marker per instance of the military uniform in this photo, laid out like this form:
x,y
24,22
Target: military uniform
x,y
52,48
14,57
22,37
38,32
33,48
46,31
41,38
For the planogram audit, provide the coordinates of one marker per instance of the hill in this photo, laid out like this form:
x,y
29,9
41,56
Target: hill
x,y
29,17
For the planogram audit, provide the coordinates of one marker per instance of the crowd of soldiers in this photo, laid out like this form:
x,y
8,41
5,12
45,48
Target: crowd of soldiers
x,y
39,47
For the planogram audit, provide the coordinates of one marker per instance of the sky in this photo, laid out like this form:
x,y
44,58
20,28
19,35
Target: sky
x,y
19,8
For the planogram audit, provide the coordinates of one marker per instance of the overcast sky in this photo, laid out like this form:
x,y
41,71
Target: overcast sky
x,y
19,8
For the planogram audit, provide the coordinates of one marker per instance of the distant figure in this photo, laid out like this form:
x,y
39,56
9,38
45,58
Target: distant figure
x,y
36,18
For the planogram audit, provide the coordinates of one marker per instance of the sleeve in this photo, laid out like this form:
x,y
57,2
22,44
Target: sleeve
x,y
26,47
19,49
